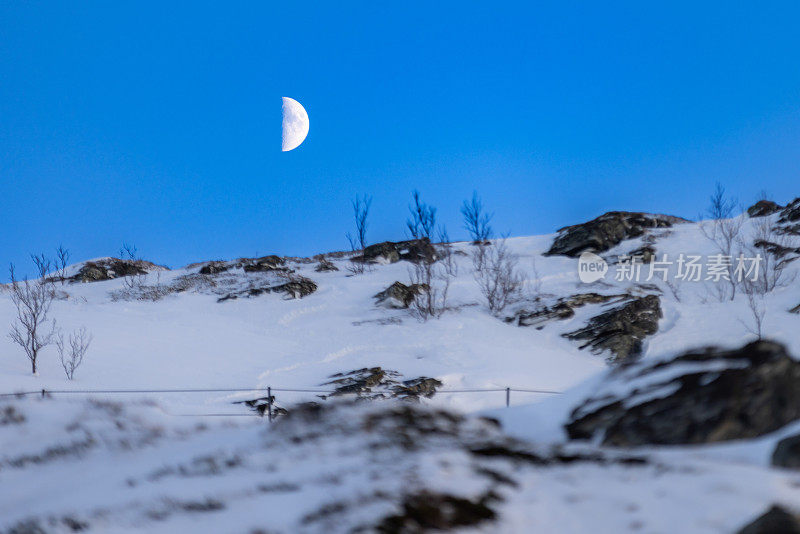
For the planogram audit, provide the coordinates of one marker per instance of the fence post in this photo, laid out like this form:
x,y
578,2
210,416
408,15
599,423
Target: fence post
x,y
269,402
508,397
43,393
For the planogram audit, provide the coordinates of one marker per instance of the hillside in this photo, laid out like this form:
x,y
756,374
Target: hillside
x,y
457,457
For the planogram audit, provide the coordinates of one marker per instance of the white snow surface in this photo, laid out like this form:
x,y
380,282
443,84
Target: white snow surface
x,y
156,462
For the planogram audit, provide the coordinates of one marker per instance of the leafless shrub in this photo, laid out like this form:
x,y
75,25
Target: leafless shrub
x,y
758,310
72,351
31,330
433,279
61,263
776,250
495,270
674,287
422,222
534,284
132,282
476,221
358,242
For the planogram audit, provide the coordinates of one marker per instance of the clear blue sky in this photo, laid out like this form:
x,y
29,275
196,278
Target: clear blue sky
x,y
159,124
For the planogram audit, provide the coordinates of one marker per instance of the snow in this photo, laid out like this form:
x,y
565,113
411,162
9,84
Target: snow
x,y
189,340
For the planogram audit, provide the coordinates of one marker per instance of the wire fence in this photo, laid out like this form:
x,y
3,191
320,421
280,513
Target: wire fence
x,y
269,390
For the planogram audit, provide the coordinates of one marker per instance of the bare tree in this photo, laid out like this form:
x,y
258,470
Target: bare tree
x,y
476,221
358,241
422,222
495,270
71,354
129,252
61,263
721,206
432,280
31,329
723,231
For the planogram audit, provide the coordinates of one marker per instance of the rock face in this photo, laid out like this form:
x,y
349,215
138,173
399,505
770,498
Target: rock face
x,y
698,397
325,266
377,383
415,250
787,452
621,330
762,208
562,309
398,295
111,268
264,264
607,231
294,287
776,520
791,213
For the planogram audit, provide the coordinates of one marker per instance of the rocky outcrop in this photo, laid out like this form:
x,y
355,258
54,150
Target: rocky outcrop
x,y
429,511
607,231
294,287
762,208
700,396
377,383
214,267
264,264
791,213
787,452
621,330
325,266
776,520
398,295
415,250
111,268
563,309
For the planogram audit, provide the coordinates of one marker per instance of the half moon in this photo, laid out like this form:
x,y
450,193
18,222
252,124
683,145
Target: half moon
x,y
295,124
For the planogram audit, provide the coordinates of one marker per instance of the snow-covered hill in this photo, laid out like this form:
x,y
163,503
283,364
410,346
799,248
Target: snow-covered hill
x,y
169,462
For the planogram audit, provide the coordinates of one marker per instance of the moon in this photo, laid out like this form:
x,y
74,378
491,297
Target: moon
x,y
295,124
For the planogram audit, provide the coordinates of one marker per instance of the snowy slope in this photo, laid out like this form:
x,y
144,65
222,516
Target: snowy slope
x,y
190,340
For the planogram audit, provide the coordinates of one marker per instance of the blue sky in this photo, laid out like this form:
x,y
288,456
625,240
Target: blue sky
x,y
159,123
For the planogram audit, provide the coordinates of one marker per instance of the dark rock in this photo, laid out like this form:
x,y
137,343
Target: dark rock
x,y
791,213
325,266
644,254
377,383
787,452
214,267
621,330
698,397
607,231
762,208
427,511
416,388
264,264
415,250
777,250
399,295
296,287
562,309
776,520
111,268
